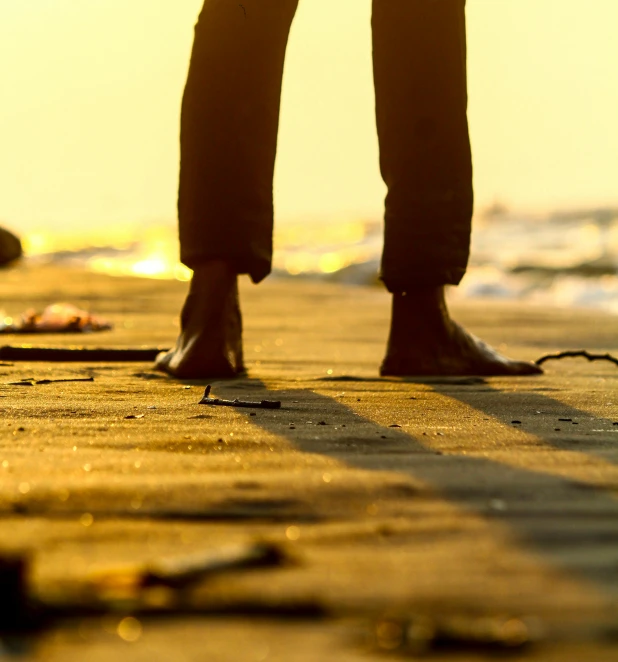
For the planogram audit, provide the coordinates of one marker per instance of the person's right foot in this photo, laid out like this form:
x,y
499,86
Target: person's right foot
x,y
210,340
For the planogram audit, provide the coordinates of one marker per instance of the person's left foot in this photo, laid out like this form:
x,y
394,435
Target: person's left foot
x,y
425,341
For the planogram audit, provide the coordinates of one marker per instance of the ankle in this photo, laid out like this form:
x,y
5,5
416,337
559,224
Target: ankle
x,y
420,311
424,302
423,296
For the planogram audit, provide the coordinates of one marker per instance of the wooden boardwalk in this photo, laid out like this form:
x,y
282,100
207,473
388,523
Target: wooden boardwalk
x,y
460,517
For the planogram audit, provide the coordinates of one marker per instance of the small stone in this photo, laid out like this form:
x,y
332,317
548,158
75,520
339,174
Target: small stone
x,y
292,533
130,629
566,420
497,504
252,414
394,426
322,423
556,429
86,520
516,422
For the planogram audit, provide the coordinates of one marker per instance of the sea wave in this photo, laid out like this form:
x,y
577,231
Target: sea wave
x,y
562,259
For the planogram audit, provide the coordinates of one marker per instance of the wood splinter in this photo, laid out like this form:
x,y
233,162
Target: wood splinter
x,y
578,353
263,404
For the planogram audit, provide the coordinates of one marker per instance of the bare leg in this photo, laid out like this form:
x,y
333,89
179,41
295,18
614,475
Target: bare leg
x,y
425,341
210,341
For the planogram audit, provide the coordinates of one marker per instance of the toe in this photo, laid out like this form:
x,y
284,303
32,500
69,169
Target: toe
x,y
526,368
162,361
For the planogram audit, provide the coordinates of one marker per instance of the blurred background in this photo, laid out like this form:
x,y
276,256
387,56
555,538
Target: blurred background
x,y
89,119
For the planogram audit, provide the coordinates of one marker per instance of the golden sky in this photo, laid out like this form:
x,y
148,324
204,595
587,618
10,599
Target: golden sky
x,y
91,93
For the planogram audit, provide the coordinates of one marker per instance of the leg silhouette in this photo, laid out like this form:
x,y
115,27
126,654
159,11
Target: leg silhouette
x,y
229,123
419,50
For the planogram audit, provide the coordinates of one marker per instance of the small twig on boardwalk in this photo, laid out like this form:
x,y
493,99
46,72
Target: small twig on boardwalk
x,y
62,381
31,382
578,353
263,404
79,354
179,572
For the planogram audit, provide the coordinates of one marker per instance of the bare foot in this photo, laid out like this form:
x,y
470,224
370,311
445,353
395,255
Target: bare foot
x,y
424,341
210,341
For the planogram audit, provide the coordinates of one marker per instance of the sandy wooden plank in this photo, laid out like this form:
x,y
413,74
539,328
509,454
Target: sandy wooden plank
x,y
455,510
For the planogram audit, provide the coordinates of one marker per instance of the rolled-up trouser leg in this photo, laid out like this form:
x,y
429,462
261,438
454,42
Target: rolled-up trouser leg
x,y
421,108
229,124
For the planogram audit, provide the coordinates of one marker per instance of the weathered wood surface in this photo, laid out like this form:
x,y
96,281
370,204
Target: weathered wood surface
x,y
391,496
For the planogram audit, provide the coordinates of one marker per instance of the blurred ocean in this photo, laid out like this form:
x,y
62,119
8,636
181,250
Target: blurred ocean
x,y
562,259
